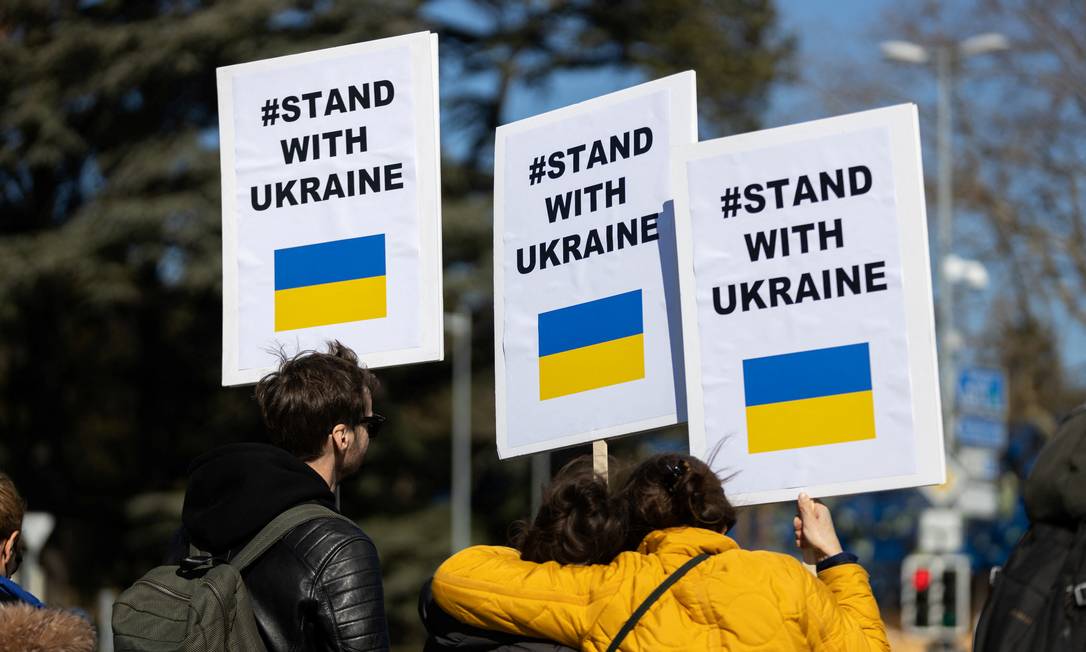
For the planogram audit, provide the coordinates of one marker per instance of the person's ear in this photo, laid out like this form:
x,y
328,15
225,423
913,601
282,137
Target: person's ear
x,y
7,550
342,435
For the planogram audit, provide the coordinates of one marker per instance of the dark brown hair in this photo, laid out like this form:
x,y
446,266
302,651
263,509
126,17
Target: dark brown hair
x,y
672,490
575,524
310,394
12,507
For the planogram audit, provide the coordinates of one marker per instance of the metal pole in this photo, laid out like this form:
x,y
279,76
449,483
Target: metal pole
x,y
37,526
31,575
541,475
945,234
106,598
460,324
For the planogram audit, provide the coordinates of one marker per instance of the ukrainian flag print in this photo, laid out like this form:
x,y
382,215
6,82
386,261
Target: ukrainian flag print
x,y
330,283
591,345
809,398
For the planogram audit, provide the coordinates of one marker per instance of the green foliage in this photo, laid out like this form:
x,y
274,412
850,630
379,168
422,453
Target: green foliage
x,y
732,44
110,298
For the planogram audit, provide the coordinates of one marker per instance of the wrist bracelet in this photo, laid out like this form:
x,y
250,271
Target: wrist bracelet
x,y
836,560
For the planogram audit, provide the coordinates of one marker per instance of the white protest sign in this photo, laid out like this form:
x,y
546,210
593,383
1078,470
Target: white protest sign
x,y
807,310
331,205
587,341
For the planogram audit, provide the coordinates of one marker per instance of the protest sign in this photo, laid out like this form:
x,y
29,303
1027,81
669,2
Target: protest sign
x,y
807,311
587,341
331,207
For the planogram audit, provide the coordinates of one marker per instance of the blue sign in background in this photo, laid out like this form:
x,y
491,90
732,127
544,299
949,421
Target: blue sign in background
x,y
982,408
982,392
980,431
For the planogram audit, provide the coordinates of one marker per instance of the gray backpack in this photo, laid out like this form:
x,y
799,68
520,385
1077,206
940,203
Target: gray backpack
x,y
200,605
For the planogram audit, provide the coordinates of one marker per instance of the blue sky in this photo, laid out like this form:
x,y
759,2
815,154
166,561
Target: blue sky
x,y
828,34
835,40
842,38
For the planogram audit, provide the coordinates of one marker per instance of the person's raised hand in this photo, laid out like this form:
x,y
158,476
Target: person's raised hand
x,y
814,531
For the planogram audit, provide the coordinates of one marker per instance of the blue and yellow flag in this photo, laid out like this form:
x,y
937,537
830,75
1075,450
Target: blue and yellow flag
x,y
591,345
330,283
809,398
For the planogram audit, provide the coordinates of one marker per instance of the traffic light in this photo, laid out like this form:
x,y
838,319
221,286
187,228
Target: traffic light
x,y
935,593
950,597
922,587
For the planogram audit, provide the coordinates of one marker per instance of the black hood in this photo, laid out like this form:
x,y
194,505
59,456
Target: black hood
x,y
1053,492
235,490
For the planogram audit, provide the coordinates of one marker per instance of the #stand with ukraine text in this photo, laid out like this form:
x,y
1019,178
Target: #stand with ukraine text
x,y
586,296
807,315
331,207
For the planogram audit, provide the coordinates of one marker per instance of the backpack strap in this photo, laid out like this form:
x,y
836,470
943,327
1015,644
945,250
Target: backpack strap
x,y
278,528
1074,569
668,582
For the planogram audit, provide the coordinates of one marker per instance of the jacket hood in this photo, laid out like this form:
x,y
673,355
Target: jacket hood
x,y
23,627
235,490
685,542
1053,492
12,592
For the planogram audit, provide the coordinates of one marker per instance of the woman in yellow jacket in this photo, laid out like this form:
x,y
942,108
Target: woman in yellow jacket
x,y
674,510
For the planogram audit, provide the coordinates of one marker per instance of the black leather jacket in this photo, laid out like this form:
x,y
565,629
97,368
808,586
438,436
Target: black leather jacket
x,y
319,588
445,634
316,589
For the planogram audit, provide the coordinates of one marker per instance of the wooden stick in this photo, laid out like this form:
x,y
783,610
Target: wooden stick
x,y
599,458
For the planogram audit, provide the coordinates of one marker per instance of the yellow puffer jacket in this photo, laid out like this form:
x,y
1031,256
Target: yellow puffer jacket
x,y
735,600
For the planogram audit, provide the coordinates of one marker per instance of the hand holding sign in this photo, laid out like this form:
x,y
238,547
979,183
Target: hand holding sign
x,y
815,534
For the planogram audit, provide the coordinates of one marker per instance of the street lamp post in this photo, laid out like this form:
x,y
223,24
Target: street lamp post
x,y
459,324
945,237
946,57
948,268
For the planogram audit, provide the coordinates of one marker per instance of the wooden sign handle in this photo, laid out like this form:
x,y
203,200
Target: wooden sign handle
x,y
599,458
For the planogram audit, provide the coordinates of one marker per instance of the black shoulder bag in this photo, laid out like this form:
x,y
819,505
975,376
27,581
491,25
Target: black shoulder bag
x,y
652,598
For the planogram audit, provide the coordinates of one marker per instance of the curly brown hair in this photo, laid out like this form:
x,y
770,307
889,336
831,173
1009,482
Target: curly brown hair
x,y
575,523
310,394
672,490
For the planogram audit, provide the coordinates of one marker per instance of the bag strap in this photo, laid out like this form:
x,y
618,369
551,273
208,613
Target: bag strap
x,y
1074,569
652,598
278,528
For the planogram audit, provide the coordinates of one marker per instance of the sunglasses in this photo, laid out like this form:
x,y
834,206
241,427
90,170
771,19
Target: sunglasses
x,y
373,424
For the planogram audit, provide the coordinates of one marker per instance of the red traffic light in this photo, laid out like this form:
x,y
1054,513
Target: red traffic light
x,y
921,579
